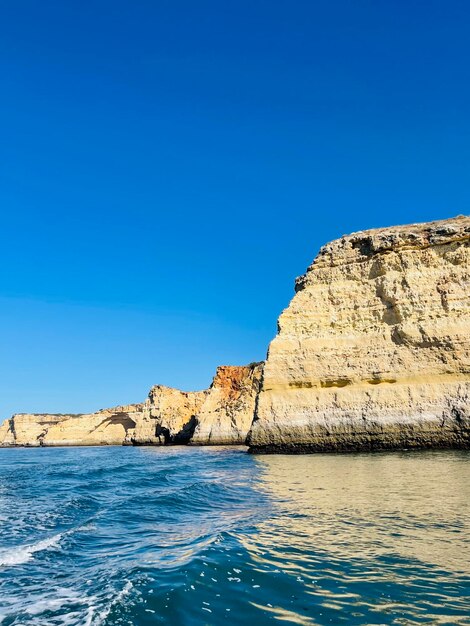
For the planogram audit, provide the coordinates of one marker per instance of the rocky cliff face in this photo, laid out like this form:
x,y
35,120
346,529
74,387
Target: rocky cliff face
x,y
219,415
226,414
373,352
107,427
168,416
374,349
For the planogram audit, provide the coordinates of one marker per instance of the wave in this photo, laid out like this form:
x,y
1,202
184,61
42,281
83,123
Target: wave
x,y
97,617
190,531
17,555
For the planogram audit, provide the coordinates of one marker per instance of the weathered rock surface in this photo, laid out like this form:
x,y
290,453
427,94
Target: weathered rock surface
x,y
107,427
227,411
373,352
168,416
374,349
221,414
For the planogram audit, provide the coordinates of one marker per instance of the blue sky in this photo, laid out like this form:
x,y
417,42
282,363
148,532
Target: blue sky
x,y
167,168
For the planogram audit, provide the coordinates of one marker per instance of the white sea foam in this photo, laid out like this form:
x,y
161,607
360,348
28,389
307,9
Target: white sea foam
x,y
22,554
96,617
32,612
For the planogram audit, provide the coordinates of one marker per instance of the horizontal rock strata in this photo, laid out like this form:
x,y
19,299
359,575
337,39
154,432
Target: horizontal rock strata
x,y
106,427
221,414
373,352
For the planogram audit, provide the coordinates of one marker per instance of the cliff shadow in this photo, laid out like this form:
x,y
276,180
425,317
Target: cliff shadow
x,y
182,437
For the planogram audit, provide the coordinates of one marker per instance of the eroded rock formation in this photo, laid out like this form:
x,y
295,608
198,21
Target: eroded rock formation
x,y
106,427
374,349
373,352
227,411
218,415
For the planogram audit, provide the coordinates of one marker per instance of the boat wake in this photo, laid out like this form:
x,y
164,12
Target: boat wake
x,y
17,555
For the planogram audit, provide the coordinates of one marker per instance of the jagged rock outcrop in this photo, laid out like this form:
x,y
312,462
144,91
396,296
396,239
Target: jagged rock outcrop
x,y
374,349
221,414
226,414
168,416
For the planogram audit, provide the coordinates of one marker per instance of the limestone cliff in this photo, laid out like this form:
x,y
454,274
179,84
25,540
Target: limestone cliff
x,y
374,349
106,427
221,414
218,415
226,414
168,416
373,352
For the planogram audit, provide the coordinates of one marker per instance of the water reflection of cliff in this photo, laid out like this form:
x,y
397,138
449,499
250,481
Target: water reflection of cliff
x,y
414,505
361,538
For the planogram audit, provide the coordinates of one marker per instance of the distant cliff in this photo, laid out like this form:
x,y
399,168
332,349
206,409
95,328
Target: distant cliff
x,y
374,350
221,414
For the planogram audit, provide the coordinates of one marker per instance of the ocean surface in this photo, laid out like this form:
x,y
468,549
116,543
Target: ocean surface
x,y
193,536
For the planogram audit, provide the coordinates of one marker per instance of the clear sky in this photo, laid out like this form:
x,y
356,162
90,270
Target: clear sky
x,y
168,167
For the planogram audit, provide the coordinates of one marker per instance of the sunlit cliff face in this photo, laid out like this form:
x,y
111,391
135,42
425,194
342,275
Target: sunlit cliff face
x,y
373,350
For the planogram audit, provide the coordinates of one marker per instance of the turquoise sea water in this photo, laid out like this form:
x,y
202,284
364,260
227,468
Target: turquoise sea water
x,y
193,536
